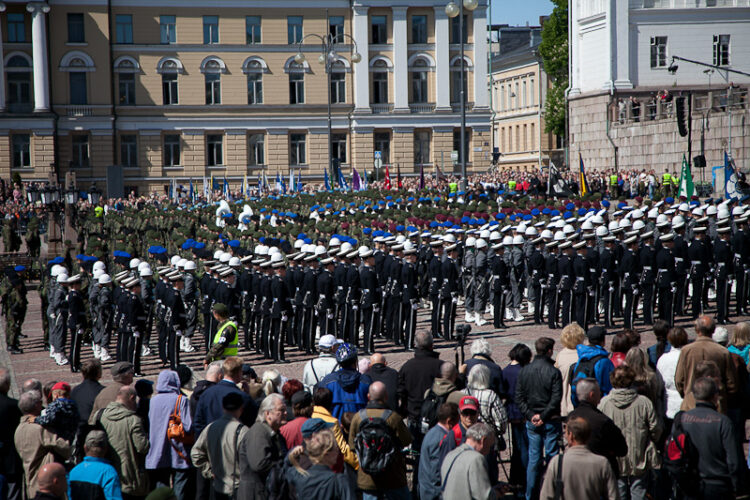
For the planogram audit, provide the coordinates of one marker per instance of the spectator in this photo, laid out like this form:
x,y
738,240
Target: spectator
x,y
444,386
363,366
323,401
36,445
520,356
348,386
619,347
464,470
11,469
94,478
739,343
538,395
593,353
316,369
647,381
289,389
122,375
215,453
391,483
185,375
572,335
437,443
711,434
666,366
214,373
606,438
167,459
705,349
302,406
635,416
491,409
481,354
85,393
61,414
318,482
128,443
662,346
250,382
271,382
381,372
210,401
585,475
53,484
262,449
32,384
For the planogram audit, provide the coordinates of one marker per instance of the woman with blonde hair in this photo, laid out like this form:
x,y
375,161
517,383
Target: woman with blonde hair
x,y
571,336
271,382
647,381
318,481
739,341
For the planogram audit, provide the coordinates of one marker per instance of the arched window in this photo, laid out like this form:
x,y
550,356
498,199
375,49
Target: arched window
x,y
254,70
296,82
126,68
419,74
19,71
456,77
379,71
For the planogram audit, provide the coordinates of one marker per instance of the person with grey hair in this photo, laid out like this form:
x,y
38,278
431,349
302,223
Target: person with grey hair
x,y
444,387
11,469
464,470
95,477
481,354
263,448
31,384
214,373
36,445
491,409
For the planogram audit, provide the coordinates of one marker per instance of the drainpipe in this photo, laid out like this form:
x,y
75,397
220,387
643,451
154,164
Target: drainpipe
x,y
491,84
112,83
566,138
609,137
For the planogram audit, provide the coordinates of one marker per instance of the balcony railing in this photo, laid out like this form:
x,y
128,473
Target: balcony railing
x,y
427,107
79,110
381,107
456,106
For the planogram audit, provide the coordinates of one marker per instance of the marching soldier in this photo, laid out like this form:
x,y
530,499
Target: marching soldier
x,y
245,286
566,281
479,276
353,296
190,294
104,317
647,261
264,332
135,323
396,319
517,270
410,299
298,276
175,318
723,257
149,301
552,283
681,267
500,285
741,246
608,278
467,273
434,271
700,259
280,310
226,341
206,285
665,264
325,289
370,304
58,315
450,290
582,284
76,321
536,271
629,271
309,302
15,310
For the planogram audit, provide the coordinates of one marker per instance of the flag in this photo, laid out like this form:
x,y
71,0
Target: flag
x,y
556,185
440,175
356,181
260,184
205,188
342,180
421,177
364,179
730,178
171,189
266,186
211,189
387,178
291,180
686,180
398,177
326,181
299,181
226,187
283,184
192,192
584,185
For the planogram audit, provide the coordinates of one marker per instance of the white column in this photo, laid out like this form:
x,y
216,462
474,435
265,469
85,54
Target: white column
x,y
481,94
400,60
620,46
2,65
442,60
39,41
360,25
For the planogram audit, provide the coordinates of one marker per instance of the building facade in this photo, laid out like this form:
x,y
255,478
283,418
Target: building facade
x,y
165,89
519,90
624,88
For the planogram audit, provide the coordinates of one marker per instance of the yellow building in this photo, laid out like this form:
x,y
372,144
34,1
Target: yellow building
x,y
168,89
519,89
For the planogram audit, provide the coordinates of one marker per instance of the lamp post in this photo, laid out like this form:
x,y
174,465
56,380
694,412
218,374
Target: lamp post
x,y
453,9
328,56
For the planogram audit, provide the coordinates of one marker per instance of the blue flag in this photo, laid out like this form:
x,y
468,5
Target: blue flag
x,y
326,181
226,187
192,193
299,181
260,184
730,178
365,179
342,180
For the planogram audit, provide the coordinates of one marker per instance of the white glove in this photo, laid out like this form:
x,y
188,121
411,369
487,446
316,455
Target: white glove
x,y
136,334
415,306
52,316
330,316
355,308
284,318
178,333
454,300
376,308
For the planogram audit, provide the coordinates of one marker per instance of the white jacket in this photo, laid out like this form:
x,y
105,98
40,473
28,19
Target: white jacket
x,y
316,369
667,366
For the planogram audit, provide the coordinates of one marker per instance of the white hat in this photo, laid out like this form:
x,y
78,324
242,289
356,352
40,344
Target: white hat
x,y
518,240
484,234
224,258
217,254
298,244
134,263
568,229
638,225
531,231
175,259
190,266
481,243
547,234
684,207
601,231
363,250
711,210
276,257
636,214
559,236
334,242
260,250
625,223
320,250
400,238
508,240
146,271
653,213
587,225
234,262
449,238
99,265
181,263
97,273
597,219
62,278
56,269
521,227
470,242
104,279
346,246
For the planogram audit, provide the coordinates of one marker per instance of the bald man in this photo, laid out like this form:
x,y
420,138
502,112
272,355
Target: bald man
x,y
392,482
52,482
381,372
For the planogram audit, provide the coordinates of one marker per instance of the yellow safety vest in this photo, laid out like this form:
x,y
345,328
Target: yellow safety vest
x,y
512,185
612,180
453,186
666,179
231,348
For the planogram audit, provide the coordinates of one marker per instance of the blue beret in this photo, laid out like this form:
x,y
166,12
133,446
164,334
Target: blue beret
x,y
622,205
464,219
513,217
605,203
567,215
461,193
546,211
367,230
500,216
434,224
301,236
234,244
581,211
262,239
494,223
570,206
669,200
307,241
390,204
267,217
436,198
329,205
535,212
336,212
198,246
411,198
399,228
262,210
19,269
527,217
554,213
367,202
447,224
451,195
389,198
80,256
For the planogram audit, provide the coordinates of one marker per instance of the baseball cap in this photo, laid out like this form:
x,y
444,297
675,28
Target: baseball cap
x,y
61,386
346,352
221,309
720,336
596,334
313,425
232,401
120,368
327,341
468,402
301,398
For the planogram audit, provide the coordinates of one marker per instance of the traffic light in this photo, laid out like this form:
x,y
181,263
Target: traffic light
x,y
680,115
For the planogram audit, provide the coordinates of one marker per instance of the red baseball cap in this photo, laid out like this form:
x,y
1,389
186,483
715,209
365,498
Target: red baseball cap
x,y
469,402
61,386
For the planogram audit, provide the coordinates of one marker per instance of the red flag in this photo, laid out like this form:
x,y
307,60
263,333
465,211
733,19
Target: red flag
x,y
398,177
387,178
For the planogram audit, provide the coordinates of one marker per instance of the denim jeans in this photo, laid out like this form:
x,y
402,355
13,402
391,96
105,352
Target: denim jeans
x,y
394,494
183,481
633,487
519,459
542,439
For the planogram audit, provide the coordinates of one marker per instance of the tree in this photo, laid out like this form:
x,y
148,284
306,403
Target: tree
x,y
554,52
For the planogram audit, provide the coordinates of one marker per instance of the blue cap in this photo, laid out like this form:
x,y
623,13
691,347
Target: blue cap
x,y
56,260
567,215
198,246
581,211
313,425
19,269
234,243
367,230
546,211
570,206
346,352
669,200
605,203
535,212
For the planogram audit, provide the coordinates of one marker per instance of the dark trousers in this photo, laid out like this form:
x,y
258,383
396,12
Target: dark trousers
x,y
173,348
519,457
552,306
580,309
740,293
75,348
435,316
629,311
697,297
411,325
538,303
370,321
449,318
722,299
498,309
163,342
203,489
182,481
278,328
666,311
648,304
608,292
567,296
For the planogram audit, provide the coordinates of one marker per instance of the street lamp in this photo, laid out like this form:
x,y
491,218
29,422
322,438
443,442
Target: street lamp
x,y
453,10
328,56
32,194
94,195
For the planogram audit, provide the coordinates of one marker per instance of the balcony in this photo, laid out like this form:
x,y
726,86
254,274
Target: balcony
x,y
381,107
456,106
425,107
79,111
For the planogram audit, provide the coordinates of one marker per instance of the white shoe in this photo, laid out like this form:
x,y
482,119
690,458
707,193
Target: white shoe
x,y
96,349
145,350
468,317
52,352
182,344
508,314
188,346
517,315
480,321
60,359
104,355
531,308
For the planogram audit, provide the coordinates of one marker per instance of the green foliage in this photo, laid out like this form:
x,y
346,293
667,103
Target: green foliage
x,y
554,52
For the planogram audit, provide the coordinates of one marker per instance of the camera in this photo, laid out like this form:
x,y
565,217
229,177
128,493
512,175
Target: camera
x,y
462,333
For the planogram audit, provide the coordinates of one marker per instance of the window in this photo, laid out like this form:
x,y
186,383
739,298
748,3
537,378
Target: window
x,y
21,150
75,28
257,149
418,29
297,149
169,88
456,27
78,93
210,29
379,29
523,89
296,84
456,78
658,51
501,99
171,150
168,29
721,50
338,147
127,88
214,150
128,150
421,148
19,84
336,28
532,138
380,83
382,142
16,28
124,28
294,29
419,81
531,92
212,70
80,151
252,29
457,143
255,88
338,83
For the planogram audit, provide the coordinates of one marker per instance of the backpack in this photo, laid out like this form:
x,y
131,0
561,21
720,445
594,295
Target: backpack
x,y
374,443
428,412
584,369
680,458
77,451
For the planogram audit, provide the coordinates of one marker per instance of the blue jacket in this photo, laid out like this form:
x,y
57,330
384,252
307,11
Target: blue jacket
x,y
437,443
210,409
602,368
94,478
349,389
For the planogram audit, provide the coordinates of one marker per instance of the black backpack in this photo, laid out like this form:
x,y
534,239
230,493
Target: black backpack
x,y
428,412
374,443
584,369
680,458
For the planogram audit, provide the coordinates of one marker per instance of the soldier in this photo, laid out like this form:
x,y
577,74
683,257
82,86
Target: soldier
x,y
298,280
280,309
723,257
177,318
226,341
309,302
450,289
608,266
104,318
566,276
741,246
681,267
468,279
148,298
647,266
552,282
500,283
265,309
256,311
582,284
15,311
434,271
325,289
409,297
291,289
397,318
206,285
58,315
190,296
629,271
479,275
370,303
700,259
76,321
341,263
537,268
135,323
666,276
517,269
353,297
245,286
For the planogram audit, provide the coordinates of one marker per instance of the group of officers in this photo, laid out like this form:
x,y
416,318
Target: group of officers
x,y
631,264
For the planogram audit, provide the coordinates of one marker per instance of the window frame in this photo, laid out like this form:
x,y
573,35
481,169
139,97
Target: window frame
x,y
379,83
168,27
454,27
297,144
338,86
379,31
296,84
129,86
251,37
169,81
81,96
80,151
16,25
257,149
295,31
73,36
658,52
124,28
210,30
215,150
722,51
419,32
212,87
378,140
338,30
419,145
338,146
133,162
25,152
168,150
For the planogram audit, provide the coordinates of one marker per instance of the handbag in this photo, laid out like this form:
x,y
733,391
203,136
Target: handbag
x,y
176,431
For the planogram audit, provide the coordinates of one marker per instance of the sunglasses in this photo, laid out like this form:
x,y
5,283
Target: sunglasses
x,y
469,413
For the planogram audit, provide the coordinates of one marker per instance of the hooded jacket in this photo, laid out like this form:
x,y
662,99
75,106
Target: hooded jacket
x,y
349,389
444,387
635,416
128,445
602,368
162,453
414,378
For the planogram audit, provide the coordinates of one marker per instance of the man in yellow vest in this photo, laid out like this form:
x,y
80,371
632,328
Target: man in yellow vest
x,y
666,183
226,340
613,185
